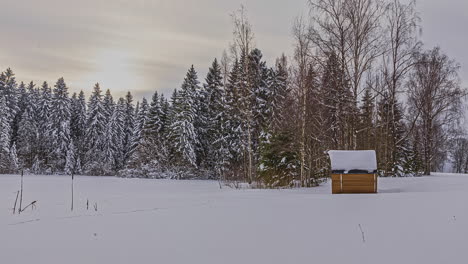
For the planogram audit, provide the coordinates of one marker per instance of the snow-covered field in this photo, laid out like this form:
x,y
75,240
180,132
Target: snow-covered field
x,y
411,220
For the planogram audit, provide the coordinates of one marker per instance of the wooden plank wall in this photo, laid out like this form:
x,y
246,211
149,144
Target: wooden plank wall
x,y
354,183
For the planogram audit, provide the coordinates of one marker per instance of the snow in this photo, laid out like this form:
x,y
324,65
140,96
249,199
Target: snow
x,y
411,220
353,160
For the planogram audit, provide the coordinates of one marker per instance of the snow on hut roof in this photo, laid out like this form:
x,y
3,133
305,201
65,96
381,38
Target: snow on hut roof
x,y
345,160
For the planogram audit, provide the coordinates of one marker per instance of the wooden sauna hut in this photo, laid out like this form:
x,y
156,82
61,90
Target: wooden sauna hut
x,y
353,171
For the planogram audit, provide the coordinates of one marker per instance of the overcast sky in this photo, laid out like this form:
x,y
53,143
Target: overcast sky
x,y
148,45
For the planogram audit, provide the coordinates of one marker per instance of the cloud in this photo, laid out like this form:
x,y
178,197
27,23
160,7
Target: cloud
x,y
150,44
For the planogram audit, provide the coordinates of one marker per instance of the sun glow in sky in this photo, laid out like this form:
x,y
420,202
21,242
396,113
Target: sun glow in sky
x,y
148,45
112,69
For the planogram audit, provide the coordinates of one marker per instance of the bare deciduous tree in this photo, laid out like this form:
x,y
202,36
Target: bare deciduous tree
x,y
459,154
300,72
241,48
401,24
434,91
351,29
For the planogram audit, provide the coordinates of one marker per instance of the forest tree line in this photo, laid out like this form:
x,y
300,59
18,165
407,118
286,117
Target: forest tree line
x,y
359,78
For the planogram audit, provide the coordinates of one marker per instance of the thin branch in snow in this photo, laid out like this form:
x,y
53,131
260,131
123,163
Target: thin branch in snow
x,y
362,234
21,194
72,178
16,200
32,205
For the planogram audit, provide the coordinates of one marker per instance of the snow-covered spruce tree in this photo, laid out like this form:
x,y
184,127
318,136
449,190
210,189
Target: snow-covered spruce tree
x,y
261,93
182,130
27,142
22,104
44,121
201,124
414,156
9,109
169,136
108,105
78,126
5,128
116,141
274,100
337,101
95,133
366,127
113,145
153,123
214,139
14,162
33,94
280,92
152,150
8,90
142,117
165,106
232,128
278,162
129,127
136,157
60,125
391,135
317,114
262,97
28,130
70,162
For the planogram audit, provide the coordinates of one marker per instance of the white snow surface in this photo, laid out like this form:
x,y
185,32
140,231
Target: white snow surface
x,y
353,160
411,220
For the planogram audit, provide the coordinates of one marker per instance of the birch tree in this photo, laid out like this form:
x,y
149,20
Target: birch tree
x,y
434,92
